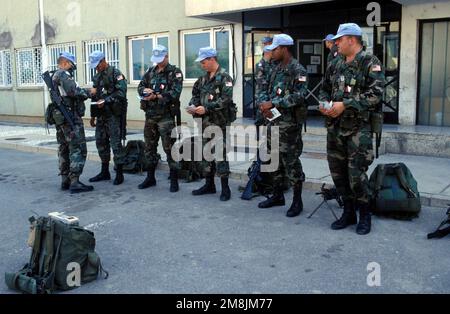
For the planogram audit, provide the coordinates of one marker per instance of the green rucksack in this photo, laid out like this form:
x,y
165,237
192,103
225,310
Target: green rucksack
x,y
56,248
394,192
190,170
134,159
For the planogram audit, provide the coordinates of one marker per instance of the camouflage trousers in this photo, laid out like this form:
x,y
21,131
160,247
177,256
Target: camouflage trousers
x,y
72,150
107,136
153,130
289,152
349,158
219,167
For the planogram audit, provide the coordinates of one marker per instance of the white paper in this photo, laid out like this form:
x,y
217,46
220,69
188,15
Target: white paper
x,y
317,49
275,114
311,69
315,60
308,49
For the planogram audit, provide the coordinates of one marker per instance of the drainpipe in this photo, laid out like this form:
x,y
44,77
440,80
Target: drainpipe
x,y
44,53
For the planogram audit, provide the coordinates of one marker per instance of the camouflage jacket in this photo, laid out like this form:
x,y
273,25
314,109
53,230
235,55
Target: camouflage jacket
x,y
72,94
333,54
215,94
358,84
111,86
168,83
262,76
287,89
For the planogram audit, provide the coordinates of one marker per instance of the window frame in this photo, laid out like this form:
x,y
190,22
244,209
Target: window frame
x,y
70,47
130,39
35,83
6,74
109,54
212,40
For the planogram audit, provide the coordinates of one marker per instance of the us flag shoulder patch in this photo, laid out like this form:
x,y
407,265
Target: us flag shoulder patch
x,y
120,77
179,75
302,79
229,84
376,68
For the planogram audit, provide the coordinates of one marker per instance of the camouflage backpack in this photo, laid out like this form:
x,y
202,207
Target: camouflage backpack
x,y
134,159
190,170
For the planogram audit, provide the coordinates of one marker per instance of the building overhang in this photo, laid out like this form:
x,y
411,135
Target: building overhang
x,y
205,8
213,7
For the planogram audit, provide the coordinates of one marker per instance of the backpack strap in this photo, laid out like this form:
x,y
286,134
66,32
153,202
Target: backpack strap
x,y
403,182
34,259
381,173
49,245
48,282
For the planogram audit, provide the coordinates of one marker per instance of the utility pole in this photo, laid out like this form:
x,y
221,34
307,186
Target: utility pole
x,y
44,53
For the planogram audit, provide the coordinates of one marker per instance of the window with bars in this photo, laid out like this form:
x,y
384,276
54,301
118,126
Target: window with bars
x,y
5,68
140,52
110,47
29,67
54,52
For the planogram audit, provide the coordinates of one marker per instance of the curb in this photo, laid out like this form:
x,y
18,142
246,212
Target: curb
x,y
427,199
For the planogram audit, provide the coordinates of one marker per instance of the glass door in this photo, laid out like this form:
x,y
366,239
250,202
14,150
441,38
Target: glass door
x,y
253,52
434,78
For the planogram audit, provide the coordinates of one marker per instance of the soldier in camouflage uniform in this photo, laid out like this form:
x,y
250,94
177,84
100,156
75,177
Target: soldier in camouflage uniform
x,y
72,150
211,97
355,84
160,89
110,93
287,89
334,53
262,72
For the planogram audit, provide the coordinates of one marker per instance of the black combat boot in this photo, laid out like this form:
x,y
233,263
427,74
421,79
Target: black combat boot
x,y
208,188
365,219
119,175
277,199
297,203
149,181
104,175
348,217
174,181
77,187
226,192
65,182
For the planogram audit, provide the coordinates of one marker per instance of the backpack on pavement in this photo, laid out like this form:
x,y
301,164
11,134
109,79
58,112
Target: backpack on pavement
x,y
394,192
58,250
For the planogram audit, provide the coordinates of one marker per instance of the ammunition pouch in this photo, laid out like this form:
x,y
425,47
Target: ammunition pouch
x,y
58,117
95,111
175,108
376,122
300,114
350,120
218,117
49,114
118,107
81,109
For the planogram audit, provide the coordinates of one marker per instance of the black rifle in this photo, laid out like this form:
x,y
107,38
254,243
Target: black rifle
x,y
328,195
123,121
254,172
443,229
56,98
